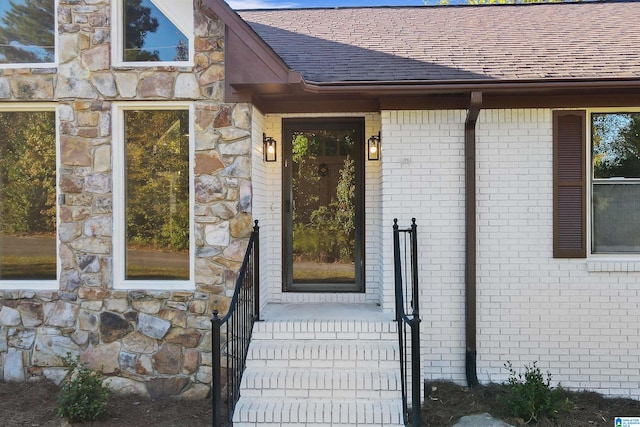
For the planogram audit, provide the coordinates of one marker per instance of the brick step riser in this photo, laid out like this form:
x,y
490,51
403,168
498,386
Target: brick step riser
x,y
317,412
300,383
323,350
299,336
327,364
320,394
287,330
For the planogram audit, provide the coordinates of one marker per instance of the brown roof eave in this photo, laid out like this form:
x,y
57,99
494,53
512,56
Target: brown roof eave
x,y
312,97
457,86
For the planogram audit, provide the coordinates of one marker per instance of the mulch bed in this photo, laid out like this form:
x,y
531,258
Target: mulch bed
x,y
33,404
446,403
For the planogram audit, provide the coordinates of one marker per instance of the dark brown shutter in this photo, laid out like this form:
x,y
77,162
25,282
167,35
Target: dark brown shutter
x,y
569,184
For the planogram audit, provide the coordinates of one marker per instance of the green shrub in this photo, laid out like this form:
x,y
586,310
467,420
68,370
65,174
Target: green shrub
x,y
82,397
530,396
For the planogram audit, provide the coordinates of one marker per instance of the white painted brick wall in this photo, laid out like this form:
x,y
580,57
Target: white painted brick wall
x,y
579,319
260,202
580,323
423,177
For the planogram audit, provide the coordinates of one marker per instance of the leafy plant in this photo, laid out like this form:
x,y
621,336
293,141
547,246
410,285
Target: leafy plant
x,y
83,397
530,395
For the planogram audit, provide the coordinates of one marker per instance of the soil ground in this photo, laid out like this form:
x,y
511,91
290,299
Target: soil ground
x,y
34,404
446,403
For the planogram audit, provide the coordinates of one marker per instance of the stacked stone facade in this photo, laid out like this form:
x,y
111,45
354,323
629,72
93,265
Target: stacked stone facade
x,y
147,342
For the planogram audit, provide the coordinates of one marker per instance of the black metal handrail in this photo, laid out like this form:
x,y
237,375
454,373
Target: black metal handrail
x,y
244,310
405,259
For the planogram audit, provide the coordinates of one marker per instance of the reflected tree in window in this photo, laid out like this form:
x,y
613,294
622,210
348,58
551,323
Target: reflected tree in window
x,y
138,23
27,32
323,186
150,35
27,195
616,145
157,186
616,188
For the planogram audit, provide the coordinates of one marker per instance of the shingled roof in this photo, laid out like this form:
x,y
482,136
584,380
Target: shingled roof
x,y
463,43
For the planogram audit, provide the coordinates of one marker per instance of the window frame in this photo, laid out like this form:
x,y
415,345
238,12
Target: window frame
x,y
39,284
117,40
119,191
55,49
592,181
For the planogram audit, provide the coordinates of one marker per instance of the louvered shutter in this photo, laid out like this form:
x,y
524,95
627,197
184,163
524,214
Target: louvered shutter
x,y
569,185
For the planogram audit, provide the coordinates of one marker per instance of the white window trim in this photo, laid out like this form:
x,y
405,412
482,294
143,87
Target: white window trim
x,y
39,285
598,262
55,49
119,183
117,37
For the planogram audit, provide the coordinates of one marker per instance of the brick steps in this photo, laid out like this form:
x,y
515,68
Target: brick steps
x,y
319,373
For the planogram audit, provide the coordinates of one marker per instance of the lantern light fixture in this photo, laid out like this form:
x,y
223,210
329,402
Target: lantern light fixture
x,y
269,146
373,147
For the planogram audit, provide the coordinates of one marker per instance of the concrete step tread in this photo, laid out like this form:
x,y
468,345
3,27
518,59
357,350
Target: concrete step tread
x,y
319,411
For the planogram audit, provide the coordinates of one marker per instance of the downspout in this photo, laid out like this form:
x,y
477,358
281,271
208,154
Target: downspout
x,y
470,236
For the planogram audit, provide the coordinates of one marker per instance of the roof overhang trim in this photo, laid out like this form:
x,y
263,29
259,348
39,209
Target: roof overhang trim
x,y
255,73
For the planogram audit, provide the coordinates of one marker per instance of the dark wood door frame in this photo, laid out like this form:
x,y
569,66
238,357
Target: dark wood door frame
x,y
289,126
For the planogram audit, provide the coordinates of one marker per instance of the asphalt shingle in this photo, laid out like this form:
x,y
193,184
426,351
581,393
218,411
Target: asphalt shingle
x,y
525,42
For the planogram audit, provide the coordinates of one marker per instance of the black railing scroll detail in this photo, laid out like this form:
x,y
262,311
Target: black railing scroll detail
x,y
405,254
231,334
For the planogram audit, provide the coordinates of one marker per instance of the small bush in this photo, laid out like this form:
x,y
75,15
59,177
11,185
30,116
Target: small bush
x,y
82,397
530,396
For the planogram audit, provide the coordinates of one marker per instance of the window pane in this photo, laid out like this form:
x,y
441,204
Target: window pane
x,y
27,195
150,36
616,145
616,225
27,31
324,206
157,194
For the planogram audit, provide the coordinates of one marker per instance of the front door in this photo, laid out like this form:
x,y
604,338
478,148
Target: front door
x,y
323,215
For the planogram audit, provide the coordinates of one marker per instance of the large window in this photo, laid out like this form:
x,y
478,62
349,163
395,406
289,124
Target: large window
x,y
152,205
615,142
153,32
27,197
27,31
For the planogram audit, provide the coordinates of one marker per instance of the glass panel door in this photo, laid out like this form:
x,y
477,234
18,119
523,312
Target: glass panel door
x,y
323,205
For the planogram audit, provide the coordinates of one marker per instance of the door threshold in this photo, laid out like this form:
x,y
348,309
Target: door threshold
x,y
325,287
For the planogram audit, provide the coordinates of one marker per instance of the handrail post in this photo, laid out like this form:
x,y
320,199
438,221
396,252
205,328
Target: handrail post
x,y
415,370
414,269
256,270
396,266
411,285
215,361
415,328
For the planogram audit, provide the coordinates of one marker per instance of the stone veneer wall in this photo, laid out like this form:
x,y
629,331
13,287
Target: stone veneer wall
x,y
147,342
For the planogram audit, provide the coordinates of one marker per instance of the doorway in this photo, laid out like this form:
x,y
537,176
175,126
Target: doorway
x,y
323,205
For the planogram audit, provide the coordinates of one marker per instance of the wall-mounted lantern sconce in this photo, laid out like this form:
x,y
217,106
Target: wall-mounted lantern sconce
x,y
373,147
269,145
